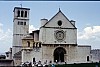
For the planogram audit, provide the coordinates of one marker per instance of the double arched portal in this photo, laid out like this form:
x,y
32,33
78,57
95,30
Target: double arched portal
x,y
59,54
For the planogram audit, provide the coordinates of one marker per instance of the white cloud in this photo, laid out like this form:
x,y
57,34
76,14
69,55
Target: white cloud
x,y
90,35
89,32
5,39
32,28
1,27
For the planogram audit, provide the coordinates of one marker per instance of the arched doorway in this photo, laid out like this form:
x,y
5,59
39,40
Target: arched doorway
x,y
59,54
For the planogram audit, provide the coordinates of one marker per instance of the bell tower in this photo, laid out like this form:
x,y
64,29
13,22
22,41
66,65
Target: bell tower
x,y
20,27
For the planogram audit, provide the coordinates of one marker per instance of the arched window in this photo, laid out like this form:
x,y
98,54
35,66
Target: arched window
x,y
39,44
34,45
24,23
87,58
18,13
18,23
34,60
22,13
28,43
25,13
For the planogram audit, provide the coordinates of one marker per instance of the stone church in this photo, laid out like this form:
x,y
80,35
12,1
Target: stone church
x,y
54,42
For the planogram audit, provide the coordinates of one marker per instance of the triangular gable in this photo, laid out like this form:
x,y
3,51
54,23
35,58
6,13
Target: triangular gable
x,y
59,16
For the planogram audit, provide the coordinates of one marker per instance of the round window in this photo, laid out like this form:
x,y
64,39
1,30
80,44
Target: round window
x,y
59,22
59,35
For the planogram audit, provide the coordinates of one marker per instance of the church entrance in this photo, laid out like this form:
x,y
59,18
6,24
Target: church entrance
x,y
59,54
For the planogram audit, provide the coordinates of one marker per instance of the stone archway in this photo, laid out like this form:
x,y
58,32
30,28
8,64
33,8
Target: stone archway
x,y
59,54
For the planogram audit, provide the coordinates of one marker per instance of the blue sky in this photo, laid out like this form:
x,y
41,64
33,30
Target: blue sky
x,y
86,14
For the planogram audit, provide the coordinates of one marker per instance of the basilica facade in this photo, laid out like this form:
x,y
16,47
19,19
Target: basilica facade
x,y
54,42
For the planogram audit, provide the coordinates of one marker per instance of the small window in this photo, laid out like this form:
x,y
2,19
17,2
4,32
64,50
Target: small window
x,y
28,43
24,23
39,44
59,22
33,60
22,13
25,13
34,45
18,23
87,58
7,54
18,13
21,23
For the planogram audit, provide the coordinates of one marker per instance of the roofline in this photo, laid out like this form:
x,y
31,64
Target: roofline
x,y
20,8
35,30
8,52
55,15
58,27
60,44
28,39
96,49
6,60
84,45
